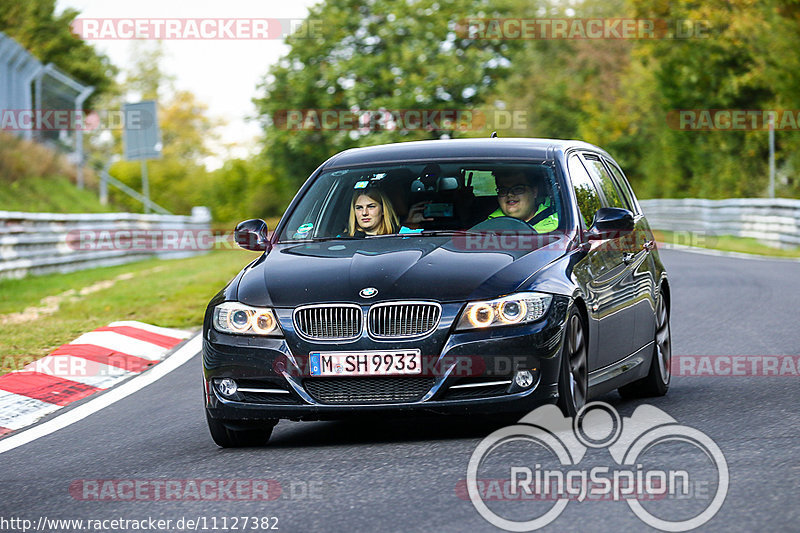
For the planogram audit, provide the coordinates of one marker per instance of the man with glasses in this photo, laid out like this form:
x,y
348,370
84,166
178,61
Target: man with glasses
x,y
518,196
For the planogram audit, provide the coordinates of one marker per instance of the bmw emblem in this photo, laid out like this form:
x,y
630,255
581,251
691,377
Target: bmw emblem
x,y
368,292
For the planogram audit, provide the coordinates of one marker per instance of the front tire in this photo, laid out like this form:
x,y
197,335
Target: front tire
x,y
656,383
227,437
573,381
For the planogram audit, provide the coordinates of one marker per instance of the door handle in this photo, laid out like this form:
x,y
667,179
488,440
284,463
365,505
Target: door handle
x,y
649,245
628,258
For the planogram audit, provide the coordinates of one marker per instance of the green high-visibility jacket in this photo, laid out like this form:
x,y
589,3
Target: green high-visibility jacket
x,y
543,226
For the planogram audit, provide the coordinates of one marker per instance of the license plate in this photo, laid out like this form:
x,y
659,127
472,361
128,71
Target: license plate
x,y
384,363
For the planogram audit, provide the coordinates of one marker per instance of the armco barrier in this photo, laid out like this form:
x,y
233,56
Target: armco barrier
x,y
37,243
773,221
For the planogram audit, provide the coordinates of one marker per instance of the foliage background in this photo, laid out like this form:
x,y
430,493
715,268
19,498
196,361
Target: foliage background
x,y
380,54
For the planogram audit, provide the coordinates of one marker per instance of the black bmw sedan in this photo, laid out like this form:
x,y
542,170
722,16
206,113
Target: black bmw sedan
x,y
469,276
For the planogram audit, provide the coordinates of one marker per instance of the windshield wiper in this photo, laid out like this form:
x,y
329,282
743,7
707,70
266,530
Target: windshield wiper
x,y
381,236
319,239
448,232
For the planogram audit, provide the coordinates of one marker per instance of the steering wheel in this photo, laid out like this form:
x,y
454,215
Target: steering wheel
x,y
496,224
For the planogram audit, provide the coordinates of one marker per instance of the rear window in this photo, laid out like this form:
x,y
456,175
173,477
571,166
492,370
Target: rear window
x,y
625,188
603,179
585,191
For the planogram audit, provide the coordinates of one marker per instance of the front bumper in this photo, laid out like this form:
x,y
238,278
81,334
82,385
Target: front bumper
x,y
463,373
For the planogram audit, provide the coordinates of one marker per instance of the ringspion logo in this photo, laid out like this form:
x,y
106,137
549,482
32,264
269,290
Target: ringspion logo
x,y
551,475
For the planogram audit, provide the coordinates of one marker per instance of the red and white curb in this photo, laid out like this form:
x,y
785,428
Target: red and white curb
x,y
93,362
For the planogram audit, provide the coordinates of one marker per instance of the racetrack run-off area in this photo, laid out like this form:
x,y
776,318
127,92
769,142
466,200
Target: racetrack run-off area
x,y
404,474
93,362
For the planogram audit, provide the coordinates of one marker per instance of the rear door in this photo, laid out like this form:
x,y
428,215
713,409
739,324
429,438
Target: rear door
x,y
638,247
616,304
602,273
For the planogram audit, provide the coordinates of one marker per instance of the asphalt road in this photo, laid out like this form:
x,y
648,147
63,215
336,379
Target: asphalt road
x,y
401,475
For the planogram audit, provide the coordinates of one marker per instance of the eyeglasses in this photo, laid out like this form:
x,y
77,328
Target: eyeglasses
x,y
516,190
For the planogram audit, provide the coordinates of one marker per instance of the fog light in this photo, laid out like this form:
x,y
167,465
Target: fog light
x,y
227,387
523,379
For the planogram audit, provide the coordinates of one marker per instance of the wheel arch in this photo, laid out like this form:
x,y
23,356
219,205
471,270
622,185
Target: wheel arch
x,y
579,303
665,290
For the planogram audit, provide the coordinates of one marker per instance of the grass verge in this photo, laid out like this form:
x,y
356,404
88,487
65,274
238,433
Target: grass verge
x,y
726,243
49,195
168,293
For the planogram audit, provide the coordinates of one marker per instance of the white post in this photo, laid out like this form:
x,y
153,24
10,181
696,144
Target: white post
x,y
79,125
145,187
772,155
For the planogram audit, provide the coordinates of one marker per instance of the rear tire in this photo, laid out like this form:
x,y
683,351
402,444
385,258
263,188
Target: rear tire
x,y
573,381
656,383
226,437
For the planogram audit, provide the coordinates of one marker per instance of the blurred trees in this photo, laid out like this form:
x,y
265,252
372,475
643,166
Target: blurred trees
x,y
749,60
415,55
616,93
374,55
34,25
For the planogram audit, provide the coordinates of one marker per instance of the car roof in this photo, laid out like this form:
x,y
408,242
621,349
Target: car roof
x,y
481,148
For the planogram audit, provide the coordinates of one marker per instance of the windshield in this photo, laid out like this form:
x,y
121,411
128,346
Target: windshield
x,y
429,199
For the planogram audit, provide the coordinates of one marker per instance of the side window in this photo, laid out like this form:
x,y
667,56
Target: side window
x,y
585,191
625,187
603,179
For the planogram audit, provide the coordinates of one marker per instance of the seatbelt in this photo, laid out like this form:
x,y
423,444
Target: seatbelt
x,y
542,215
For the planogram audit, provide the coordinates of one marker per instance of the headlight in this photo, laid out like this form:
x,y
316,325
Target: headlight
x,y
234,317
519,308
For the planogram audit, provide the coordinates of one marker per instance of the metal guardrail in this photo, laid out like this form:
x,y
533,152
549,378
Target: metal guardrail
x,y
41,243
775,222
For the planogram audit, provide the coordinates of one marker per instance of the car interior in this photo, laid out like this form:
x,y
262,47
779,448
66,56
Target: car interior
x,y
456,197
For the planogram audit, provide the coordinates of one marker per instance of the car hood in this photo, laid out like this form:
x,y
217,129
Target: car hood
x,y
417,268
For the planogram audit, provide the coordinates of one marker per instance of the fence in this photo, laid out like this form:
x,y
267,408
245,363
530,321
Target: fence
x,y
18,69
27,86
773,221
42,243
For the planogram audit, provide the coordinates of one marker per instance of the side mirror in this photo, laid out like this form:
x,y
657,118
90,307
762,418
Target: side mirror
x,y
610,223
253,235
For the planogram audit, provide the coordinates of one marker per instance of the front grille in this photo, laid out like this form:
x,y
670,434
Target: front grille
x,y
368,390
330,322
406,319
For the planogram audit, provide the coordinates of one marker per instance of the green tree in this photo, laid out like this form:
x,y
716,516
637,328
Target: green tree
x,y
36,26
373,55
748,58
